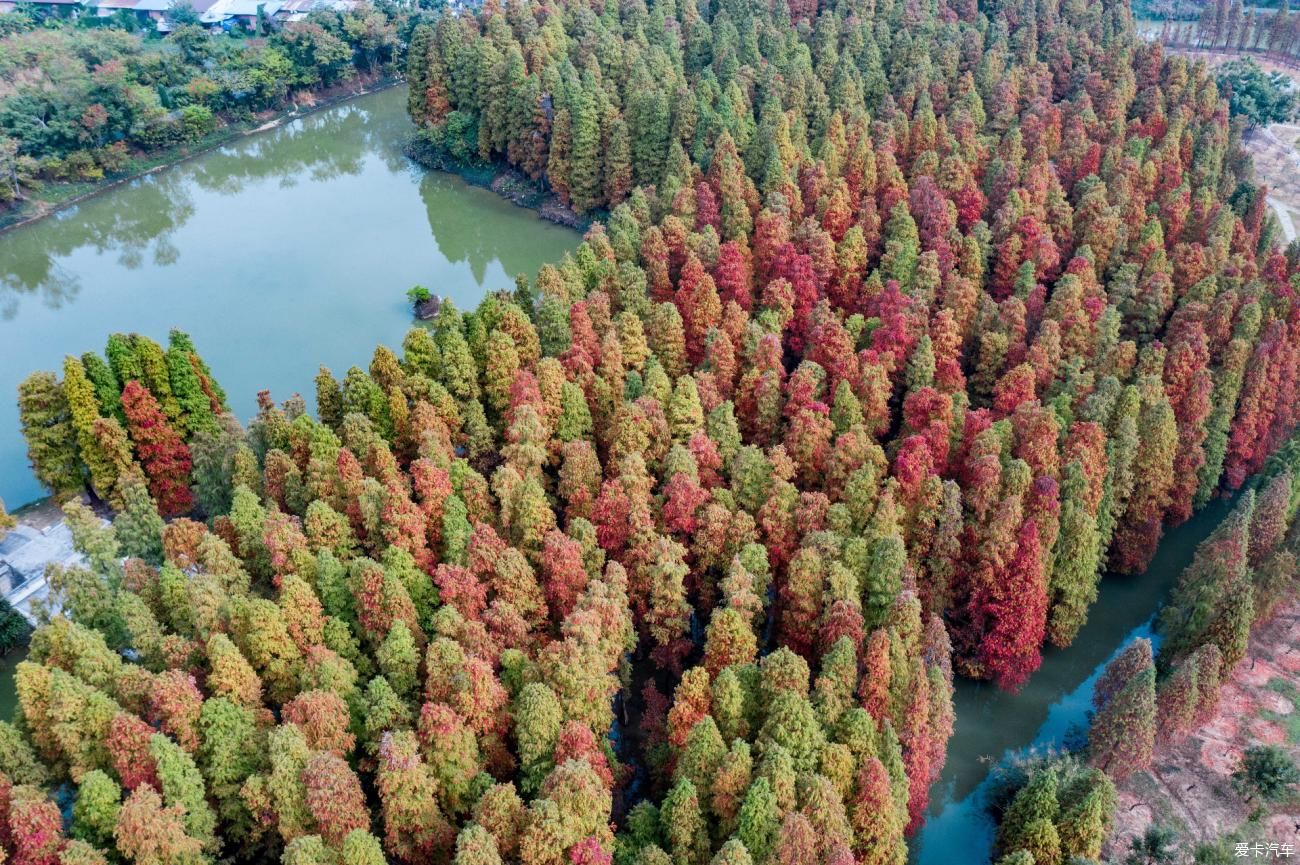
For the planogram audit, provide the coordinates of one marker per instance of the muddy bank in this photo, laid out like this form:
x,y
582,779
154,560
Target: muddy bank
x,y
506,182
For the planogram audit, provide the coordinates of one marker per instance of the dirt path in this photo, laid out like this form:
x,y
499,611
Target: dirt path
x,y
1283,218
1277,164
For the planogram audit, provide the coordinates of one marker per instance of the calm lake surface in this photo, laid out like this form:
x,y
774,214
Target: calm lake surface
x,y
278,253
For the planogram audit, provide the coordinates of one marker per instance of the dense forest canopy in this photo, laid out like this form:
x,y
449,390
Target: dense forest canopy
x,y
906,321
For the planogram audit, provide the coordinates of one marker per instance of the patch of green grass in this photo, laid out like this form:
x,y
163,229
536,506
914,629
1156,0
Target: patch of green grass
x,y
1285,687
29,507
1290,722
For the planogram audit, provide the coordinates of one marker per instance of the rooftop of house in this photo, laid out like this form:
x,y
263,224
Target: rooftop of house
x,y
296,10
24,554
223,9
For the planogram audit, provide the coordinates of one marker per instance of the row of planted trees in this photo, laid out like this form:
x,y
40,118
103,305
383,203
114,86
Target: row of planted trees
x,y
1229,27
515,628
667,556
1237,579
463,586
108,423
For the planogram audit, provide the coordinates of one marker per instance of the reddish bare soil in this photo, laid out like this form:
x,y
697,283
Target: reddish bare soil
x,y
1190,786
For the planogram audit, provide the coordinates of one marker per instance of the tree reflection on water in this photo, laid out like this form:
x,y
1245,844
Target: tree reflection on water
x,y
137,222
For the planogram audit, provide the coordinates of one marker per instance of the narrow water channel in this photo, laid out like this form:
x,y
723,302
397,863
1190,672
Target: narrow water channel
x,y
992,725
279,252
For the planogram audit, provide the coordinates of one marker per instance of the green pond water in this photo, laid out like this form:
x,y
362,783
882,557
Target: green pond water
x,y
280,252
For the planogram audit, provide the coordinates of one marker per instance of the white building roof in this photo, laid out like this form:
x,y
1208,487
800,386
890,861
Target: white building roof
x,y
26,551
223,9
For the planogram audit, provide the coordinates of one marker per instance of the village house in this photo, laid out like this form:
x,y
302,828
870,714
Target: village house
x,y
213,14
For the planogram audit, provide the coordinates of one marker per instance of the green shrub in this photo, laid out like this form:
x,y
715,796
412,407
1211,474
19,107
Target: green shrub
x,y
1267,771
14,629
1260,97
196,122
1156,846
